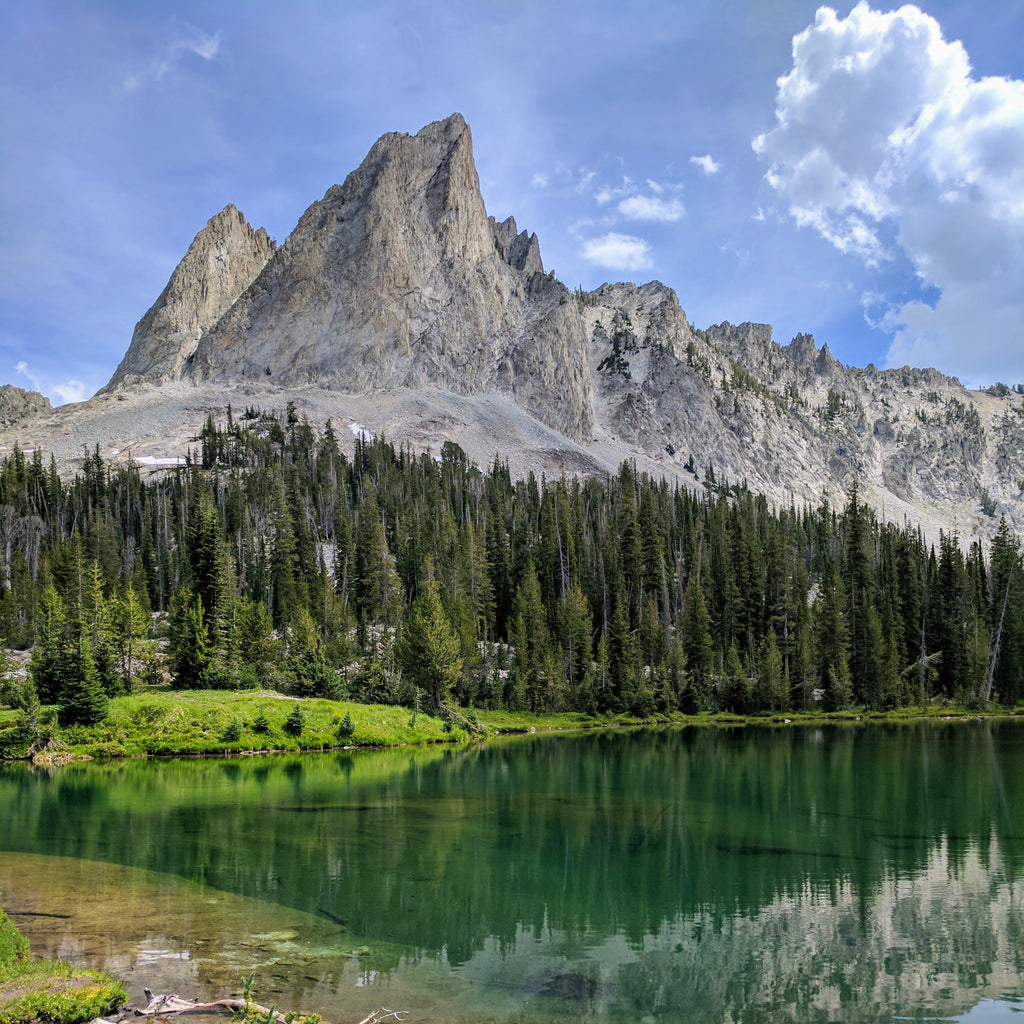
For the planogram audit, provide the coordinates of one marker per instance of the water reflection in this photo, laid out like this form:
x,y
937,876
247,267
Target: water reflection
x,y
833,874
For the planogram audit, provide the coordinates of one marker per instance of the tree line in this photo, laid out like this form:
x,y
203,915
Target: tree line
x,y
274,559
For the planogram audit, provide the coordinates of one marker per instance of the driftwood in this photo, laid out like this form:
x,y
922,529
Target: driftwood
x,y
159,1006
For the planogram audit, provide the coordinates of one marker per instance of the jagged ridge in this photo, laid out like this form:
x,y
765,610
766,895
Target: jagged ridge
x,y
399,279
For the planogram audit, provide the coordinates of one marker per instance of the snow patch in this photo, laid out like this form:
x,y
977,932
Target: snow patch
x,y
153,460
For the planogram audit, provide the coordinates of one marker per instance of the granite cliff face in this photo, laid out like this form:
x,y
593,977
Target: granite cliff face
x,y
222,261
397,283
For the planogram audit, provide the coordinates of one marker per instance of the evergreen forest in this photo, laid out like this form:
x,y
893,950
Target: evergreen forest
x,y
272,559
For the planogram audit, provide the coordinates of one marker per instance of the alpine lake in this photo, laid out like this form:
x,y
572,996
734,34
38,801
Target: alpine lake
x,y
807,873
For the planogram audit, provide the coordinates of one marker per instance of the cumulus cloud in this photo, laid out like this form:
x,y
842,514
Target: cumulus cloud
x,y
189,40
651,208
706,163
618,252
59,394
884,143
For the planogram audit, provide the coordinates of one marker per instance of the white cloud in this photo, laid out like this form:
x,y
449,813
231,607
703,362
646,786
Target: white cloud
x,y
651,208
59,394
618,252
540,180
884,142
706,164
71,391
189,41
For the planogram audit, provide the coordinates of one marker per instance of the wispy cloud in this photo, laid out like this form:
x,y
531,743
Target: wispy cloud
x,y
618,252
706,163
606,193
189,40
59,394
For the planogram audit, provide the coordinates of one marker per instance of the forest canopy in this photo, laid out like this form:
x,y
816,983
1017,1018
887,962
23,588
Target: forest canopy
x,y
272,559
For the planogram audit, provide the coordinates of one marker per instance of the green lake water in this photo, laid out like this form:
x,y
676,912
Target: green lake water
x,y
833,873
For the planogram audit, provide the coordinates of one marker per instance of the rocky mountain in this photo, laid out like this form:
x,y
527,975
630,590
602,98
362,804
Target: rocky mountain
x,y
398,278
398,303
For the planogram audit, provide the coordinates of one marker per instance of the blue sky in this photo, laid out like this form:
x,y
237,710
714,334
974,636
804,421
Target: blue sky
x,y
856,173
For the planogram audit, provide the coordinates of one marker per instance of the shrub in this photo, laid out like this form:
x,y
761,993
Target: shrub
x,y
295,722
13,945
345,727
232,732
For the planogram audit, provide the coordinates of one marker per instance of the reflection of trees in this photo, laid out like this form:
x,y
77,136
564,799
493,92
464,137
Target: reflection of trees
x,y
769,863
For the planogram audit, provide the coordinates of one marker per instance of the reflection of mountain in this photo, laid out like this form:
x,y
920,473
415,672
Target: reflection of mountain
x,y
935,943
817,868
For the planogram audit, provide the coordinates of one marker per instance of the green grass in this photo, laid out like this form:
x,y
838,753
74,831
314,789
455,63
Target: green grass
x,y
523,721
49,990
211,722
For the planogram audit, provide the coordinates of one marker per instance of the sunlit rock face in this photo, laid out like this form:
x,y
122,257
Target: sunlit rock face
x,y
398,278
222,261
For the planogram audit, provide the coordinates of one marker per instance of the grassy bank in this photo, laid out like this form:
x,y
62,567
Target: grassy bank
x,y
218,722
49,990
211,721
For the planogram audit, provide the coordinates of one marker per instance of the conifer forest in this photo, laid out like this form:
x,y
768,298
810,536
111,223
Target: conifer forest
x,y
272,559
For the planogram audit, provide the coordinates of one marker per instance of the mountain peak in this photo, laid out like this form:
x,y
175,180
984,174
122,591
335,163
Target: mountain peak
x,y
398,278
222,261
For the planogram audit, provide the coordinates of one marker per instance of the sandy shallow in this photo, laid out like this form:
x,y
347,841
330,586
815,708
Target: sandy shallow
x,y
162,933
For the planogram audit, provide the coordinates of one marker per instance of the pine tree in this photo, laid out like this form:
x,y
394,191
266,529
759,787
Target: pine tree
x,y
295,723
82,699
771,692
577,647
623,662
532,658
254,640
698,646
428,647
206,557
306,665
1004,676
135,654
44,665
832,641
191,651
